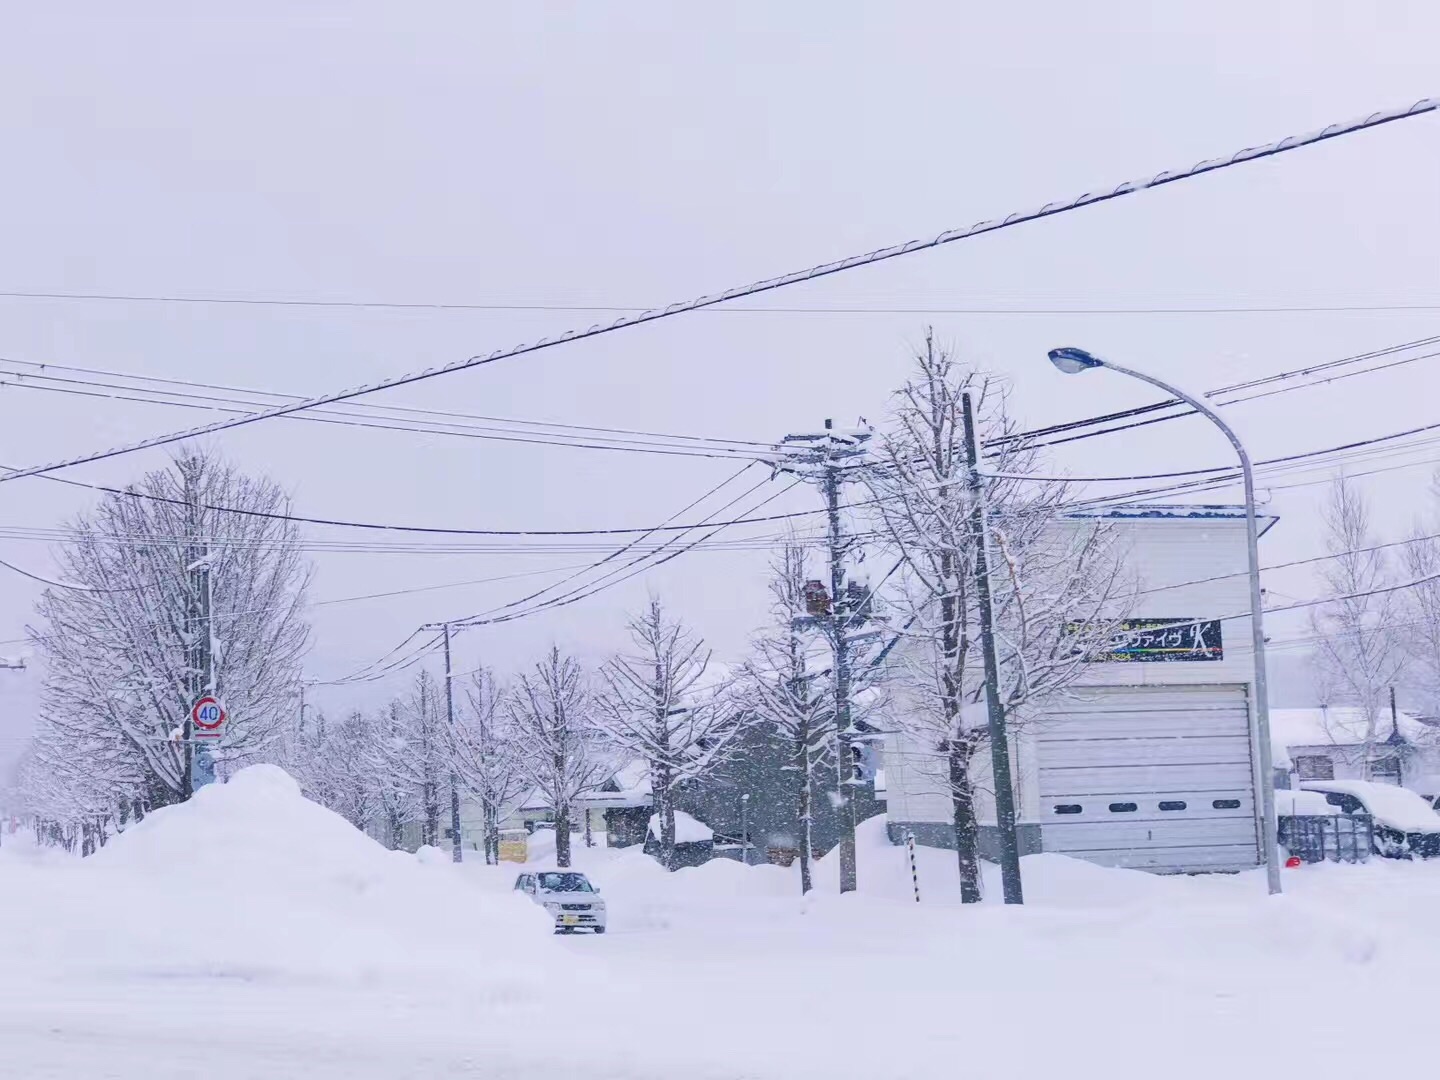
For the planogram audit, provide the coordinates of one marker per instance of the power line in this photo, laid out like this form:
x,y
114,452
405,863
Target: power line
x,y
1185,410
590,568
769,285
1016,436
139,395
63,584
871,309
375,408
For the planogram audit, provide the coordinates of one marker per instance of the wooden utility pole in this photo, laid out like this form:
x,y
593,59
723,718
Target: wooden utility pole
x,y
825,456
999,740
456,848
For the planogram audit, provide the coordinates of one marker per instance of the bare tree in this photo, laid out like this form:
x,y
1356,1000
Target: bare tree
x,y
1419,606
487,757
334,764
654,708
1053,582
416,751
789,693
120,642
1359,656
388,763
552,711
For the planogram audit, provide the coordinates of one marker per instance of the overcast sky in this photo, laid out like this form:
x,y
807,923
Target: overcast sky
x,y
636,154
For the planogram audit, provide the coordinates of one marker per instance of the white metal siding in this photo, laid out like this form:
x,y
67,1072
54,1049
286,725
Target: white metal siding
x,y
1143,745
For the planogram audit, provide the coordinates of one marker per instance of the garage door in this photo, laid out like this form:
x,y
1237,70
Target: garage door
x,y
1150,778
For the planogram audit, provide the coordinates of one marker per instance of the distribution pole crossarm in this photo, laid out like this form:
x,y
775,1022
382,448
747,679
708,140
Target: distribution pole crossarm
x,y
1072,361
949,236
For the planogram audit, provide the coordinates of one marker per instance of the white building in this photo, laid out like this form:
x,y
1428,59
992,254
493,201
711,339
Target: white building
x,y
1147,762
1339,742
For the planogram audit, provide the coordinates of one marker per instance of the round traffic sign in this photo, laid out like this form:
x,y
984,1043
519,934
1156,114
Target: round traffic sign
x,y
207,714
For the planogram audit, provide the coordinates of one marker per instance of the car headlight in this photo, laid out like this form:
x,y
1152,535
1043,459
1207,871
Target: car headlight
x,y
551,906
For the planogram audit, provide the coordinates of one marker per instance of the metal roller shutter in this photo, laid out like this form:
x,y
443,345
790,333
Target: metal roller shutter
x,y
1154,778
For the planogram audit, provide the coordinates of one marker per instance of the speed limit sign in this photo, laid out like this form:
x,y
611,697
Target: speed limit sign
x,y
208,717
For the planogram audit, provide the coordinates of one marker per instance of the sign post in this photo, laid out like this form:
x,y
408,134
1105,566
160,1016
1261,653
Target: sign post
x,y
207,723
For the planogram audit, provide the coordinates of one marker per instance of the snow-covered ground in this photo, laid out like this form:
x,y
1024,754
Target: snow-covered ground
x,y
253,934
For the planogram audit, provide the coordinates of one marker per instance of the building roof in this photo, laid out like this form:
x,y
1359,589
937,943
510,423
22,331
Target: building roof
x,y
1339,725
688,830
1176,512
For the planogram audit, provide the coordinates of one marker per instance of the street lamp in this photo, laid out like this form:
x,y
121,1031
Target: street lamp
x,y
1073,361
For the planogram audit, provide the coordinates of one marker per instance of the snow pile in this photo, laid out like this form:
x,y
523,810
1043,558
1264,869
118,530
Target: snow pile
x,y
687,829
1303,803
1397,807
251,881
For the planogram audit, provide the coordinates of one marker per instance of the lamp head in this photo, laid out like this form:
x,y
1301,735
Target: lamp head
x,y
1072,361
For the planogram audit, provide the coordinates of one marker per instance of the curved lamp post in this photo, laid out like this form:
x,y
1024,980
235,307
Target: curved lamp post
x,y
1073,361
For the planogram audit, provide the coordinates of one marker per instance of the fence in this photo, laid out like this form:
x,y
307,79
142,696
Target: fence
x,y
1328,837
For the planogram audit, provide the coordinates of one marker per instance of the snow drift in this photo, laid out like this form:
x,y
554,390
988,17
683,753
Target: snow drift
x,y
251,881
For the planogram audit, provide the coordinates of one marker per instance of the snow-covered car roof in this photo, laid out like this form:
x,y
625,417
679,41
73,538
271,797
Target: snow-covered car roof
x,y
1397,807
1303,804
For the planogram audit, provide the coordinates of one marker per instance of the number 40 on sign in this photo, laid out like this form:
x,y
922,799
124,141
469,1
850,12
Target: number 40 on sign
x,y
207,716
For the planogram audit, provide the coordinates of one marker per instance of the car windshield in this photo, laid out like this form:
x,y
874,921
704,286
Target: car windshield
x,y
564,883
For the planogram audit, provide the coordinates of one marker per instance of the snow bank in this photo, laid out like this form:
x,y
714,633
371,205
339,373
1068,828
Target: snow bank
x,y
251,881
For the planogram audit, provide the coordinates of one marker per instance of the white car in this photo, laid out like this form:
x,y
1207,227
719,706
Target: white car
x,y
1405,825
567,895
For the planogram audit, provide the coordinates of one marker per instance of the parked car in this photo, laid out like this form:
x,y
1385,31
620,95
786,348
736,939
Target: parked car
x,y
1406,826
569,896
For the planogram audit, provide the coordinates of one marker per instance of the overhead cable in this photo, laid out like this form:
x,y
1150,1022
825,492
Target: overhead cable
x,y
1333,131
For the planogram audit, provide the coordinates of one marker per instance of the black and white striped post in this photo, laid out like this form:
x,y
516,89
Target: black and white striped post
x,y
914,873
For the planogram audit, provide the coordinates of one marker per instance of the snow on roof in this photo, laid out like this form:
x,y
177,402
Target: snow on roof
x,y
1397,807
687,829
633,778
1176,512
1308,803
1338,725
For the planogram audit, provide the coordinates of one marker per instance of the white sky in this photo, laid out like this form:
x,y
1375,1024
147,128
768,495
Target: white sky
x,y
644,153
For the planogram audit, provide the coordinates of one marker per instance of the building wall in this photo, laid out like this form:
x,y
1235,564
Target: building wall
x,y
1161,553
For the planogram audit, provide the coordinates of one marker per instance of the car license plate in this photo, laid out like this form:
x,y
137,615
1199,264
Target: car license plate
x,y
569,920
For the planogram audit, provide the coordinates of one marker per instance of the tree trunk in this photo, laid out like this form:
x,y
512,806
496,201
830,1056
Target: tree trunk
x,y
665,811
432,815
397,834
803,814
562,837
492,836
962,801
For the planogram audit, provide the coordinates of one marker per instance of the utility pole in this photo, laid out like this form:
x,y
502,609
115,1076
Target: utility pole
x,y
745,829
828,454
199,766
202,763
455,846
999,740
840,638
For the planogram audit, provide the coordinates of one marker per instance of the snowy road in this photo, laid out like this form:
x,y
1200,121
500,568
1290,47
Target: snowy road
x,y
364,964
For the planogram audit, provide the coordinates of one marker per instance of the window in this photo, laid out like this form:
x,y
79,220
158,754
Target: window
x,y
1226,804
1348,803
1315,767
1123,807
1172,806
1068,808
1386,770
562,882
